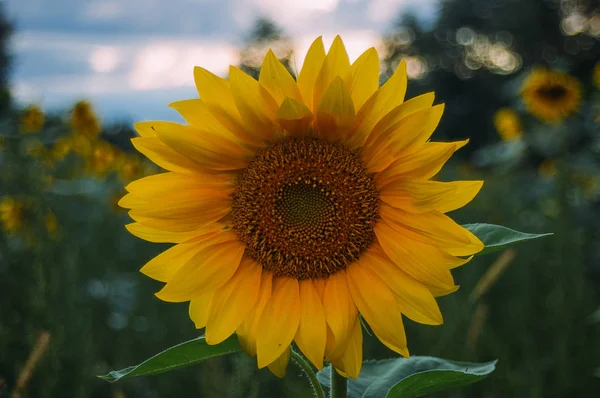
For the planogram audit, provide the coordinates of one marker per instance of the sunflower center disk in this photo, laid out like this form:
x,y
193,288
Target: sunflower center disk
x,y
305,208
553,92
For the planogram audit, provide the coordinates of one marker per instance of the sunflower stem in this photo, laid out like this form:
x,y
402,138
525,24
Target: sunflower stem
x,y
307,369
339,385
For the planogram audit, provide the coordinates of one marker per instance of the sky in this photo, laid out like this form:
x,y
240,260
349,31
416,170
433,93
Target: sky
x,y
131,58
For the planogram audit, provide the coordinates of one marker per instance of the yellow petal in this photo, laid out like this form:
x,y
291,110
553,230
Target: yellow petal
x,y
207,270
418,196
233,301
279,366
145,130
197,114
389,96
216,94
198,310
335,114
378,306
214,90
213,118
421,164
279,321
310,70
159,236
433,228
364,77
165,183
207,149
348,364
165,157
340,311
182,213
165,265
336,64
312,332
248,330
425,263
414,299
255,104
443,292
294,117
277,80
398,138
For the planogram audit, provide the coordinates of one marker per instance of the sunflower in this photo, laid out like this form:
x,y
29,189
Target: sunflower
x,y
130,167
550,95
84,120
296,205
11,215
32,120
102,158
508,125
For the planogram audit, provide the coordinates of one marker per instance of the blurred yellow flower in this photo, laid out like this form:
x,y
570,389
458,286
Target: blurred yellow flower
x,y
61,148
102,158
130,167
84,120
547,169
508,125
551,95
32,120
11,215
297,205
35,148
80,144
51,224
597,74
2,142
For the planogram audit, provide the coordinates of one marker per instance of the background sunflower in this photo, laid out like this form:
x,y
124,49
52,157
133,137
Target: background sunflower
x,y
550,95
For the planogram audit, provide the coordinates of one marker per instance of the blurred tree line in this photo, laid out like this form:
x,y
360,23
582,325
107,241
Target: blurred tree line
x,y
533,313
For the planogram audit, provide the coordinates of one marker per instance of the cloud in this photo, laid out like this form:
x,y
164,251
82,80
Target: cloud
x,y
125,53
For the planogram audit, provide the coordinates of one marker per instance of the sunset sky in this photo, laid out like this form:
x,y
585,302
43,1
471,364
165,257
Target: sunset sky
x,y
132,57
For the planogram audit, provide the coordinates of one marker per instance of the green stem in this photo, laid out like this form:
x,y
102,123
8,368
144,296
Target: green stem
x,y
339,385
312,377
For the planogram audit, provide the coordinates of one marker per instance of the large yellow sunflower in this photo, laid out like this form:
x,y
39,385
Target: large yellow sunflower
x,y
297,205
551,95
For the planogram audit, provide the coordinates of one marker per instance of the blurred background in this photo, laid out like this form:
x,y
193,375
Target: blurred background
x,y
521,79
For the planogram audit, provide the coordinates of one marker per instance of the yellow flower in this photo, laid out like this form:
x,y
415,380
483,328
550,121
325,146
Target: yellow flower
x,y
295,206
51,224
551,96
508,125
81,144
35,148
11,215
102,158
32,120
84,120
130,167
61,148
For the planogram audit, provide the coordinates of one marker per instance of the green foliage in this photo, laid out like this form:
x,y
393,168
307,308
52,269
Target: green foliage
x,y
496,237
180,356
411,377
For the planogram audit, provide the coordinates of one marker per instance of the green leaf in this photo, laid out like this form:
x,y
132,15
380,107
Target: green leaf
x,y
496,237
412,377
180,356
